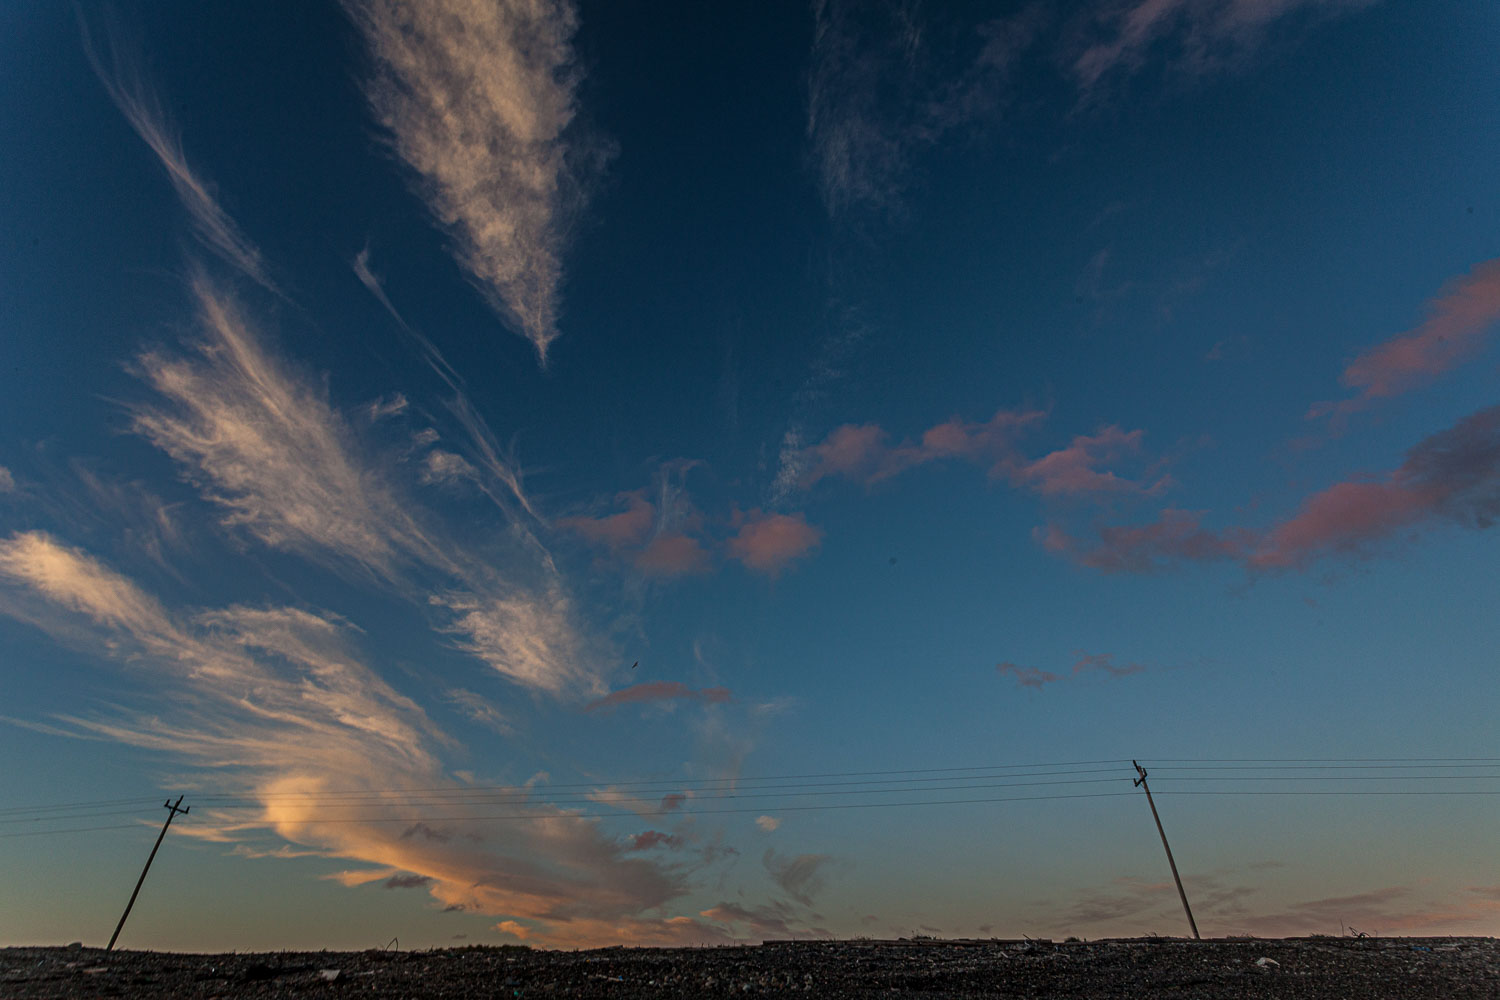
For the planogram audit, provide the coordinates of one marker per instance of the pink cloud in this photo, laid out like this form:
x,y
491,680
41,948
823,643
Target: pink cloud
x,y
659,691
629,527
1036,678
654,838
1343,518
1105,663
862,452
1176,536
1459,320
1075,470
1028,677
768,543
1453,475
673,555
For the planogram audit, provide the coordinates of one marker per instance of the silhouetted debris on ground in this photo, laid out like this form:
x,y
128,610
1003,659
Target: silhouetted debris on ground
x,y
1302,968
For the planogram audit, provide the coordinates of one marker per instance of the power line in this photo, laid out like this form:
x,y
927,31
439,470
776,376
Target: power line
x,y
691,783
611,800
764,786
76,829
1454,793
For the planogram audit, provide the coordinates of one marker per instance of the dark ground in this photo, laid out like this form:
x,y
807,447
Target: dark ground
x,y
1395,968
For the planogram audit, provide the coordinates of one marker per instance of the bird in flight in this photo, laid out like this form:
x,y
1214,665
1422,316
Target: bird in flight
x,y
635,664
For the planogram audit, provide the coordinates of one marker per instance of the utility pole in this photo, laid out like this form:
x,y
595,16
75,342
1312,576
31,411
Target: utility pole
x,y
173,810
1141,782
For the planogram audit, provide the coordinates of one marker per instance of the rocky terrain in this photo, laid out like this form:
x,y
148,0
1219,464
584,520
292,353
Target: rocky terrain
x,y
1303,968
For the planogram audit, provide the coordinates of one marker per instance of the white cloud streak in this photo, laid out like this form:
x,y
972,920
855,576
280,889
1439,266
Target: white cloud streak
x,y
477,98
263,443
875,97
506,489
1206,33
118,68
268,449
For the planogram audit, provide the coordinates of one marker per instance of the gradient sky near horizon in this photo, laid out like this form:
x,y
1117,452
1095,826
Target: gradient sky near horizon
x,y
901,387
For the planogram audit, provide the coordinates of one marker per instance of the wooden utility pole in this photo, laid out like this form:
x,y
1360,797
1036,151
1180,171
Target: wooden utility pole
x,y
1141,782
173,810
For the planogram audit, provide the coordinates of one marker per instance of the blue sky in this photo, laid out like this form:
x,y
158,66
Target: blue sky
x,y
930,400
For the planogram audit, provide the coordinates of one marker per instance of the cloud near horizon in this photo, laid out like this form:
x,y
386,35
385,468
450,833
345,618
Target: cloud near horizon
x,y
278,701
477,100
1450,476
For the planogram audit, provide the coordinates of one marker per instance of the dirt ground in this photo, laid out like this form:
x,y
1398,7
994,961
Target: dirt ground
x,y
1303,968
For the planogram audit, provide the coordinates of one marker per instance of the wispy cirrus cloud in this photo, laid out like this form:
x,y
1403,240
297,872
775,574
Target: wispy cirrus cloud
x,y
503,480
1460,320
659,691
528,635
1198,35
477,99
265,446
875,98
268,449
279,702
118,67
801,877
1451,476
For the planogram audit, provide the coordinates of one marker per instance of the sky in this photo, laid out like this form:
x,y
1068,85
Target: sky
x,y
577,474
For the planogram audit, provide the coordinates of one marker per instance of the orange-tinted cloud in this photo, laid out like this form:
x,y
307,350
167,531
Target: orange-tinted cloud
x,y
660,691
1459,320
768,543
279,704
